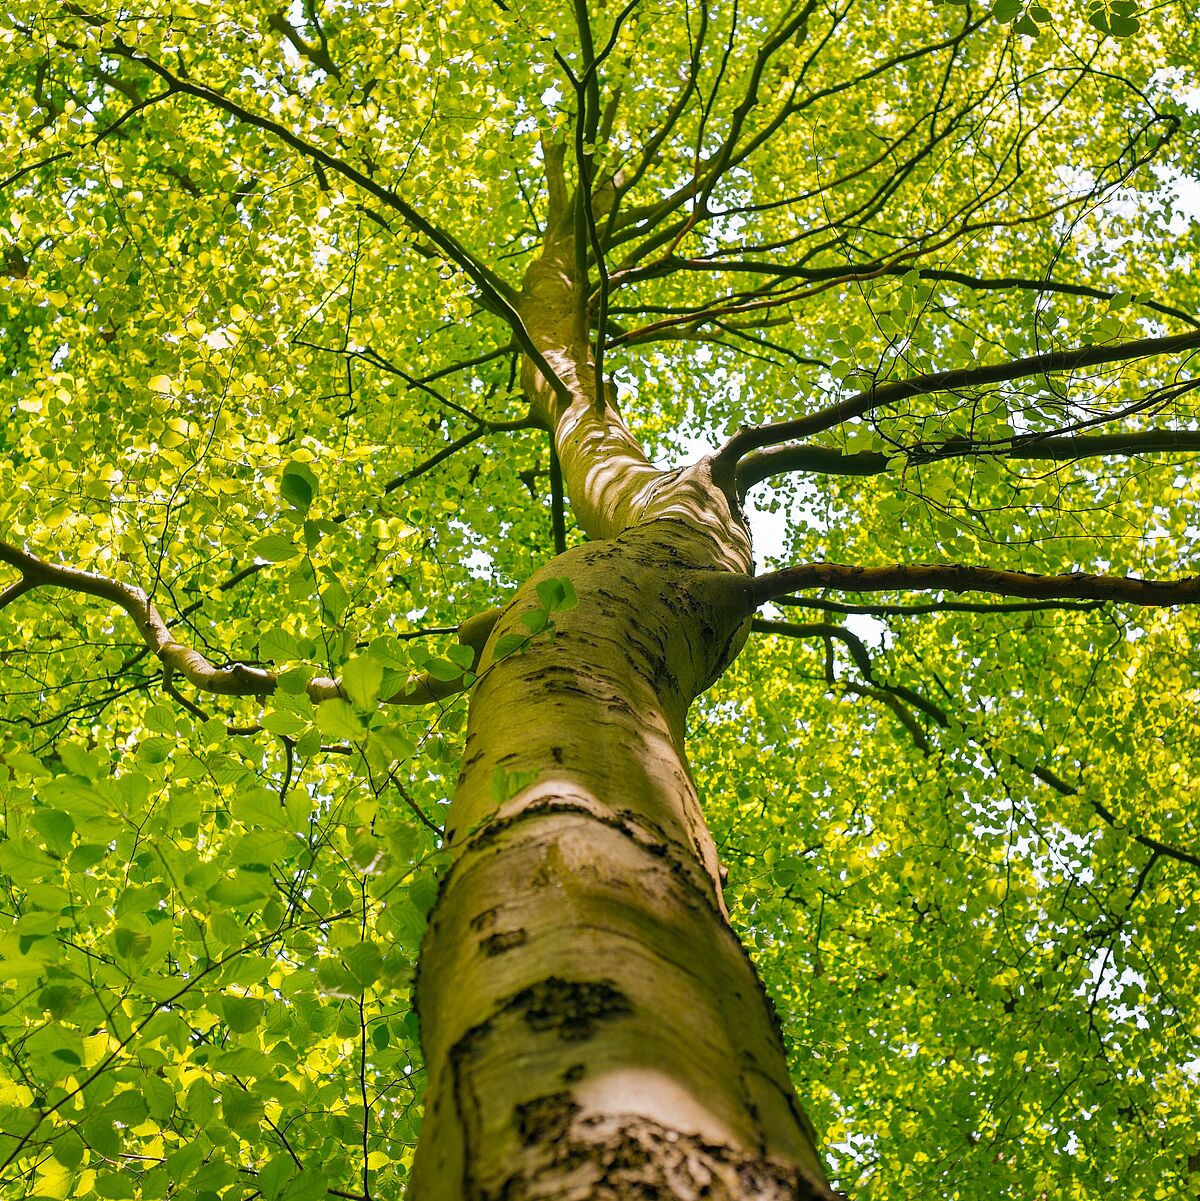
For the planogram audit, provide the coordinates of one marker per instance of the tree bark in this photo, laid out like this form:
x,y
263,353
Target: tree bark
x,y
593,1029
592,1026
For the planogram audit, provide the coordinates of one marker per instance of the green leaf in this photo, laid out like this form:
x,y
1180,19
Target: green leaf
x,y
363,962
463,656
389,652
308,744
366,855
56,827
298,485
244,1062
556,594
241,1110
200,1101
128,1107
282,723
274,548
535,620
216,1174
241,1014
59,1000
68,1149
337,719
395,740
315,531
101,1136
334,600
506,784
78,760
443,669
274,1175
294,682
361,678
245,888
277,645
423,891
130,944
507,644
335,980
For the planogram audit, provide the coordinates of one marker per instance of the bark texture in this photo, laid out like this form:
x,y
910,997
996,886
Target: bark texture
x,y
592,1027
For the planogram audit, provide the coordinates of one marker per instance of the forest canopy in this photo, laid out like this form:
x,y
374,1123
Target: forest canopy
x,y
335,338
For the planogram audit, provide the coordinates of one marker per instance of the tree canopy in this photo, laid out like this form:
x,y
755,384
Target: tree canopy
x,y
920,276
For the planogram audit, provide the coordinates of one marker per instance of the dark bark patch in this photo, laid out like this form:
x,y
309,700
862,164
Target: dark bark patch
x,y
632,820
503,940
545,1119
491,832
641,1160
571,1009
485,919
574,1074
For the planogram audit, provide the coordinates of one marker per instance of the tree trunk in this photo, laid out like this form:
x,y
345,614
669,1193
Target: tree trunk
x,y
593,1029
592,1026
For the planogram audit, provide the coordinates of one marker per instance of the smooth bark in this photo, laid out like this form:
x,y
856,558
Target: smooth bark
x,y
592,1027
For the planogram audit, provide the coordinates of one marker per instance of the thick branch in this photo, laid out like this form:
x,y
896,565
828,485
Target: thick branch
x,y
238,679
558,519
1002,283
316,53
942,606
1053,362
762,464
957,577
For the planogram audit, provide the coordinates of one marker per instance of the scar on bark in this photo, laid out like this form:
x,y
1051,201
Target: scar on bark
x,y
545,1119
503,940
639,1157
572,1009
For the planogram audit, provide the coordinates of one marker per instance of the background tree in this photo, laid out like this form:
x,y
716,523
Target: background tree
x,y
333,332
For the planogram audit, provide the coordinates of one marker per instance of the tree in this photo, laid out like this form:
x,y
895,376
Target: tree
x,y
386,390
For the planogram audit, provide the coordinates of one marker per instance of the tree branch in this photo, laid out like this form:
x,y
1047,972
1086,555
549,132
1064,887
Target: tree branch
x,y
760,465
957,577
1003,283
10,594
897,696
112,127
751,438
944,606
843,272
497,295
317,54
238,679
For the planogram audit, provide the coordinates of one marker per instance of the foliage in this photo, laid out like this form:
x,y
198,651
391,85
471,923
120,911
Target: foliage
x,y
962,843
